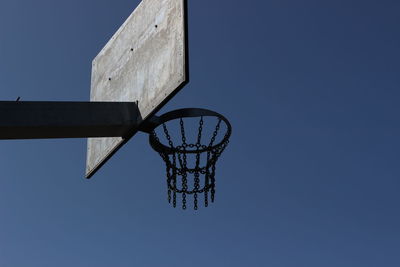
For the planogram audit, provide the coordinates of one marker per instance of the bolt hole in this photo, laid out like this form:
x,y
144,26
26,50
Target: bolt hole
x,y
109,79
131,49
156,26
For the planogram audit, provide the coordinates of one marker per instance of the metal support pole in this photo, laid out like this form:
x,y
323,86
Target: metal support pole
x,y
34,120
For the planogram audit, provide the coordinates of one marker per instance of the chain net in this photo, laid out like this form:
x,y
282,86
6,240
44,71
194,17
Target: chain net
x,y
197,178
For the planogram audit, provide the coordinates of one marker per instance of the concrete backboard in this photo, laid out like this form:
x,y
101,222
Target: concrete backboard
x,y
146,61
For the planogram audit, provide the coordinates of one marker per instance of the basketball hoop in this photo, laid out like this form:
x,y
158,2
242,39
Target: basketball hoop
x,y
190,179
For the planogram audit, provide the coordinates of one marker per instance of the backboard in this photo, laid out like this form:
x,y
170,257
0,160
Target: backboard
x,y
146,61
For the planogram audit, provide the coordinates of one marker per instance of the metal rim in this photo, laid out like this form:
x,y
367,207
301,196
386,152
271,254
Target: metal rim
x,y
187,113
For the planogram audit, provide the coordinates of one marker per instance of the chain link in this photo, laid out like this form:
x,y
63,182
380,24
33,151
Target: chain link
x,y
184,144
171,177
213,183
201,122
168,136
215,133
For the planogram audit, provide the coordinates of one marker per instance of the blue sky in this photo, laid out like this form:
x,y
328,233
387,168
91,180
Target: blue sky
x,y
310,178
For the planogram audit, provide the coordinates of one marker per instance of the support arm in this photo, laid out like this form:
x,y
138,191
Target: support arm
x,y
41,119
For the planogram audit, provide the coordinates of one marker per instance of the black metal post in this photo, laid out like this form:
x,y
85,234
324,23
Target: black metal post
x,y
42,119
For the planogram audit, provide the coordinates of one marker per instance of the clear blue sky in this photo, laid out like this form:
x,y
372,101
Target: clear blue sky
x,y
311,177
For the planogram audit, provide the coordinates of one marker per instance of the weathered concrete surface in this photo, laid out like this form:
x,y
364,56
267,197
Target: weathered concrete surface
x,y
144,62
